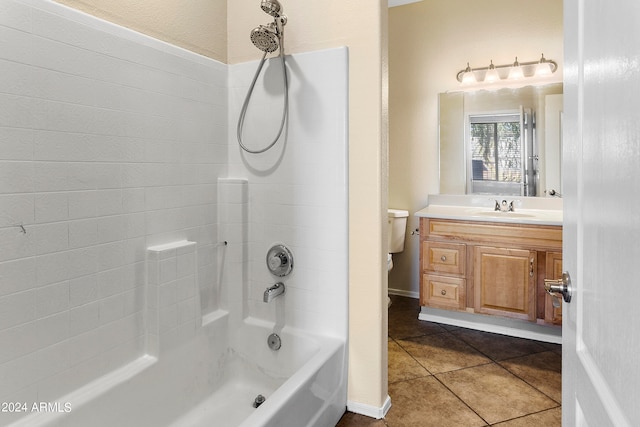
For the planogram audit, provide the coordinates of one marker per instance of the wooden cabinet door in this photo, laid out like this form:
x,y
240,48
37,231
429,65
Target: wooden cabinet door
x,y
504,282
553,271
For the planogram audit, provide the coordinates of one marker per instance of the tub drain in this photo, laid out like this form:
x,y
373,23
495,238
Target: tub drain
x,y
274,342
259,400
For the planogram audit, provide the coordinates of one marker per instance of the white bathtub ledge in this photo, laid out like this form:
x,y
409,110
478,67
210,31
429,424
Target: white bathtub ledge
x,y
214,316
89,392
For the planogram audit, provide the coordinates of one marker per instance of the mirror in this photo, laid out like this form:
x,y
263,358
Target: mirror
x,y
464,171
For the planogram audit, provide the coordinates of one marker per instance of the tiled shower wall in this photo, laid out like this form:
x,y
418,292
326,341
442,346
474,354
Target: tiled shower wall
x,y
298,190
110,142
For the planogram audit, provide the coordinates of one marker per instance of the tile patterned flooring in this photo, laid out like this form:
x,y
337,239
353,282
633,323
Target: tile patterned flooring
x,y
442,375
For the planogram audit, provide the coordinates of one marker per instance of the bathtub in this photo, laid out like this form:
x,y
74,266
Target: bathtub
x,y
213,380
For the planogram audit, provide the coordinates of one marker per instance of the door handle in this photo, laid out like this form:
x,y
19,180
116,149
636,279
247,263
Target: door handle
x,y
557,287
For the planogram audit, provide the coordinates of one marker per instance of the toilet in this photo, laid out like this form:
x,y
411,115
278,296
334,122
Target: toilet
x,y
396,229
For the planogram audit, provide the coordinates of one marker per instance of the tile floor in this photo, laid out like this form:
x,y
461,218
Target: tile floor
x,y
443,375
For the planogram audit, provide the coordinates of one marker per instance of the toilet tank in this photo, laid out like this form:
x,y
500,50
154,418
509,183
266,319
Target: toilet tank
x,y
397,226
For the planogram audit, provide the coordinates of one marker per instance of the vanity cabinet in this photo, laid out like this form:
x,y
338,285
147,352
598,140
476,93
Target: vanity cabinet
x,y
490,267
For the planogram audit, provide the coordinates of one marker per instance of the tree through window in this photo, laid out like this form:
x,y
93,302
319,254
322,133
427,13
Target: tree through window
x,y
496,153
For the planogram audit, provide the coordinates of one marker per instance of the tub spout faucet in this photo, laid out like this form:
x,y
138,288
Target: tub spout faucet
x,y
273,291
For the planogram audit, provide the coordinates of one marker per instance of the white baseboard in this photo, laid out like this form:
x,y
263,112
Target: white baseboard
x,y
369,410
496,325
403,293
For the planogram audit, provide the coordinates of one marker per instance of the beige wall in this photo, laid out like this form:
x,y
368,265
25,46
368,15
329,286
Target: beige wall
x,y
429,42
196,25
202,25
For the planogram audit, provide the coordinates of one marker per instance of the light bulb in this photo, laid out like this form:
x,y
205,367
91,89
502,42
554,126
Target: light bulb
x,y
468,77
492,75
515,73
543,69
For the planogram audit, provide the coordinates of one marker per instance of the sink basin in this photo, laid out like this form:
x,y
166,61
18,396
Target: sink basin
x,y
528,210
500,214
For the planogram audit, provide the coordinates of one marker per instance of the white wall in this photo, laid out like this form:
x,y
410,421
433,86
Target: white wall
x,y
297,190
109,142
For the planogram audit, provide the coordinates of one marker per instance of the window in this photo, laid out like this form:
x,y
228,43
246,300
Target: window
x,y
496,154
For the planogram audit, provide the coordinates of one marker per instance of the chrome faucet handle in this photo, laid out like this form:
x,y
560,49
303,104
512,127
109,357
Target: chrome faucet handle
x,y
497,207
277,260
511,206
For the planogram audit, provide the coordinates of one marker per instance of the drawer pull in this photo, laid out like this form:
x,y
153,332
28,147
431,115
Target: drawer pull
x,y
443,292
443,258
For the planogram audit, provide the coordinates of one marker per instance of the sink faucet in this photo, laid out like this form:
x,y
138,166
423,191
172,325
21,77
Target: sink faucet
x,y
504,207
273,291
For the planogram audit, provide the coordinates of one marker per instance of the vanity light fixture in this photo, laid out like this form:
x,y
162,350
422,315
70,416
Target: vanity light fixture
x,y
510,72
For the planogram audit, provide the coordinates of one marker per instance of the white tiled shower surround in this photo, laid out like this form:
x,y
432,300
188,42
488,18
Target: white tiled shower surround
x,y
111,143
298,190
172,310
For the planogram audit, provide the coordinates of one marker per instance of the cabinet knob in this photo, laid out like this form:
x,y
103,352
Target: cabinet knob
x,y
443,292
443,258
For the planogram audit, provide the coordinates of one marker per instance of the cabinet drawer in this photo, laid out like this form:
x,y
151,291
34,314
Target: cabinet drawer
x,y
444,257
443,292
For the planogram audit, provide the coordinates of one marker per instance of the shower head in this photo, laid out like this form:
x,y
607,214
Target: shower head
x,y
271,7
265,38
268,38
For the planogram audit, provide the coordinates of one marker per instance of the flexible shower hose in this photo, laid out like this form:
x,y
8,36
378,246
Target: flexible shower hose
x,y
285,108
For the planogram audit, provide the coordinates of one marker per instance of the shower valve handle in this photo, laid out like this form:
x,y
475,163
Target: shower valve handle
x,y
278,260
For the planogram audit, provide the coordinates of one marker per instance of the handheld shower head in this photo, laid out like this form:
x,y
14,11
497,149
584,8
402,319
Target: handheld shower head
x,y
271,7
268,38
265,38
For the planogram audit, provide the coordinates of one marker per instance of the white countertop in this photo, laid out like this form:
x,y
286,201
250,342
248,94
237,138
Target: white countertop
x,y
527,210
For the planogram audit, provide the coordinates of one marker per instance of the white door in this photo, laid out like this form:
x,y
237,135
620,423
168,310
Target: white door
x,y
601,179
